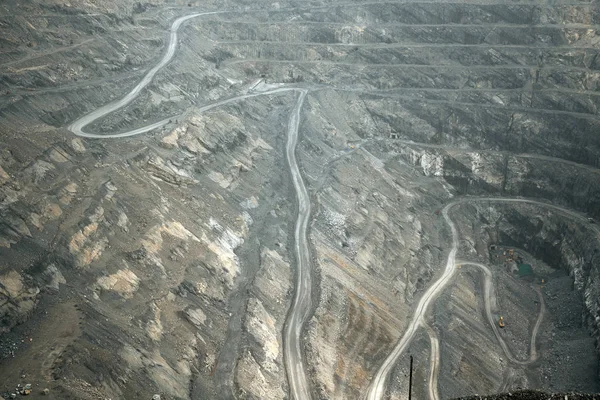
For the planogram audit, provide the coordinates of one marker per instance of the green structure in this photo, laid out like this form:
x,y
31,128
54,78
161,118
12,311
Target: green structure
x,y
525,270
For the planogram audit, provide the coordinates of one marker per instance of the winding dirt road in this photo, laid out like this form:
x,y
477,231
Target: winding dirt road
x,y
434,363
490,302
377,387
77,126
490,305
300,309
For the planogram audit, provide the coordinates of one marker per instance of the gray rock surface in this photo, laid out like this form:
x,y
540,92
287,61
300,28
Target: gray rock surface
x,y
164,263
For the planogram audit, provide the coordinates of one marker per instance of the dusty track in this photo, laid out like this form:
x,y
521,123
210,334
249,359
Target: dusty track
x,y
490,304
77,126
395,45
434,363
377,387
388,94
456,67
300,309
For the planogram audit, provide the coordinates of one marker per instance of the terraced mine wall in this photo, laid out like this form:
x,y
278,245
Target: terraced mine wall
x,y
558,240
479,85
562,243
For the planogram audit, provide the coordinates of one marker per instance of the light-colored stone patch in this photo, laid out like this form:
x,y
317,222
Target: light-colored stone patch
x,y
167,171
192,145
261,325
220,179
12,284
123,222
79,239
154,240
58,155
67,193
131,356
170,141
274,282
223,248
77,145
4,177
39,170
216,292
83,247
227,259
157,98
432,164
209,129
92,253
174,382
52,211
124,282
54,277
196,316
247,221
35,220
262,144
111,189
249,203
253,382
154,326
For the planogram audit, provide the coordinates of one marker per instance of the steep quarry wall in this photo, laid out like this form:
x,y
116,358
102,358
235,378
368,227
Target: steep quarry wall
x,y
562,243
163,263
572,244
473,172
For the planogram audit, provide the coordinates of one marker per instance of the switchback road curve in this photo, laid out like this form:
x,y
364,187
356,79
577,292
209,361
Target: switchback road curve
x,y
77,126
490,304
377,387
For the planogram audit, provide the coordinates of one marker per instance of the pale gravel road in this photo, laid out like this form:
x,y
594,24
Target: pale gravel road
x,y
300,308
490,304
377,387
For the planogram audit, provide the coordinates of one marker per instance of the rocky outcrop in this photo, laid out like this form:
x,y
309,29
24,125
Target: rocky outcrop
x,y
259,373
567,244
17,300
123,282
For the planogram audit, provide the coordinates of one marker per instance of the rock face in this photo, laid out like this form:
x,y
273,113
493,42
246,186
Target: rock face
x,y
162,265
574,248
17,300
259,373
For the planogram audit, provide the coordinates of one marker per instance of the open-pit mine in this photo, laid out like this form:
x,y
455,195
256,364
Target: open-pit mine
x,y
215,200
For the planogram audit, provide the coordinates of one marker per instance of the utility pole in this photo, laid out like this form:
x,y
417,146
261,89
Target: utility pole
x,y
410,379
